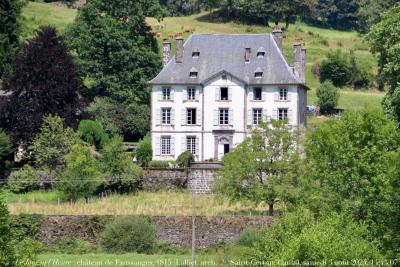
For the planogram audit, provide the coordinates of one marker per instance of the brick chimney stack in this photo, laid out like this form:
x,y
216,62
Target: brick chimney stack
x,y
277,34
179,48
166,52
299,62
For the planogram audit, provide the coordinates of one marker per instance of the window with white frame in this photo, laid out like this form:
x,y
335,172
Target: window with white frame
x,y
223,116
166,93
191,116
191,93
166,115
283,94
223,93
282,114
191,144
165,145
257,116
257,91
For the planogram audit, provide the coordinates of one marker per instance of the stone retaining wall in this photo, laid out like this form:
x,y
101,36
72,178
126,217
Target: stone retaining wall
x,y
172,230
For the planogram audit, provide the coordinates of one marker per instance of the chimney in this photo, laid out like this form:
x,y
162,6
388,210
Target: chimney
x,y
277,34
166,52
299,63
179,48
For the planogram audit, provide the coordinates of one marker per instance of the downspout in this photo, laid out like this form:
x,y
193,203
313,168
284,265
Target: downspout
x,y
202,122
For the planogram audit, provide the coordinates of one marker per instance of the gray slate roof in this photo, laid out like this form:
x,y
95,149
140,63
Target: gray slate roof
x,y
225,53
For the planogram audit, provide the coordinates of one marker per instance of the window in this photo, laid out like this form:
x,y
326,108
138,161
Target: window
x,y
258,74
166,115
191,144
193,74
191,116
257,116
282,114
247,55
283,94
191,93
166,93
165,145
257,93
195,54
260,54
224,77
223,93
223,116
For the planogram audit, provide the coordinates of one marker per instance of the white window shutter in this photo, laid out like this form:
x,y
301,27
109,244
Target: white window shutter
x,y
159,94
230,114
251,94
230,94
157,149
216,117
289,96
217,91
250,117
265,114
290,116
199,116
172,92
158,116
183,144
172,145
274,114
197,93
183,116
197,146
276,96
263,94
185,94
172,116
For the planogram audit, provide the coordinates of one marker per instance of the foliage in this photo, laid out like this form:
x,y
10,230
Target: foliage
x,y
93,133
249,237
299,236
185,159
7,250
10,11
23,180
370,12
144,151
181,8
129,234
335,68
264,168
121,173
384,40
328,96
5,148
70,245
81,176
26,226
164,164
131,120
52,143
44,81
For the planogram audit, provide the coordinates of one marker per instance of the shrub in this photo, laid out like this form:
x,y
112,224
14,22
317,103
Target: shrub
x,y
23,180
5,145
129,234
185,159
93,133
164,164
70,245
26,226
249,237
144,151
328,96
335,68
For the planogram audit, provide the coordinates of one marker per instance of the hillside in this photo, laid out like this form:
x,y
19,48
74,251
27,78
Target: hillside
x,y
318,42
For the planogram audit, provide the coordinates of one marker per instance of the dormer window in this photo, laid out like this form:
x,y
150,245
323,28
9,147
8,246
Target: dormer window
x,y
260,52
193,74
247,54
196,54
258,74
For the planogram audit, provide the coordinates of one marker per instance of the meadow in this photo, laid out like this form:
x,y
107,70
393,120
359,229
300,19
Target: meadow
x,y
317,40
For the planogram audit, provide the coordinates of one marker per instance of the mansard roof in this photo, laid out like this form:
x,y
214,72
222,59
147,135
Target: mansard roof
x,y
225,52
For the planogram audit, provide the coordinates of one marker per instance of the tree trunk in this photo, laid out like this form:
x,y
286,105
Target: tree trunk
x,y
287,23
271,209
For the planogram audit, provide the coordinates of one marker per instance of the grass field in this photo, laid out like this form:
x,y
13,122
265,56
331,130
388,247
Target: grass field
x,y
317,40
143,203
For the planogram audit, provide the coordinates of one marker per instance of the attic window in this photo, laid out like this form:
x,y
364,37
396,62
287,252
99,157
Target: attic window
x,y
195,54
258,74
224,77
260,54
247,54
193,74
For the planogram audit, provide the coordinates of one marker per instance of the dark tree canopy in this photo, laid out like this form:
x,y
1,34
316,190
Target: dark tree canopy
x,y
44,80
9,33
116,50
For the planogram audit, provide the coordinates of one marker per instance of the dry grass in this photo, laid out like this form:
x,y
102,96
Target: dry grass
x,y
143,203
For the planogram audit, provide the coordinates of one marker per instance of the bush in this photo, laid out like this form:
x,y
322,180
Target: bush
x,y
185,159
129,234
93,133
144,151
23,180
335,68
70,245
249,237
163,164
328,96
26,226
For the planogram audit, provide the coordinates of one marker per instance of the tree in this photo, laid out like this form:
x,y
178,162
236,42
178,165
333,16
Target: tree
x,y
144,152
370,12
115,49
10,11
7,251
5,147
328,97
262,168
44,81
384,40
23,180
335,68
121,173
93,133
81,176
53,142
287,10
